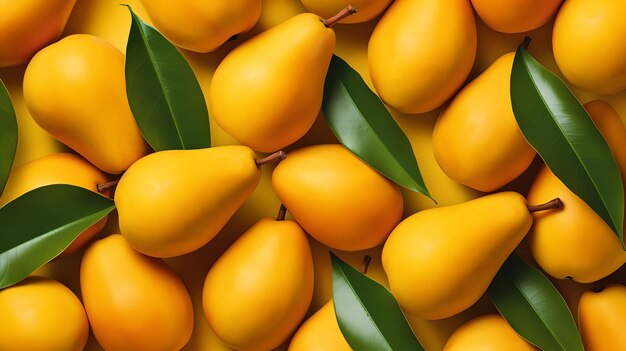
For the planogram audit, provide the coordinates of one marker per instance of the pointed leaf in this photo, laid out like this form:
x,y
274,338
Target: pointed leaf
x,y
163,91
362,124
368,315
559,128
8,135
533,307
37,226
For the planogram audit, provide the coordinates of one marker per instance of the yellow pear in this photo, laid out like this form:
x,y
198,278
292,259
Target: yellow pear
x,y
28,25
575,242
366,9
202,26
75,90
588,44
258,291
62,168
487,333
476,140
41,314
421,52
133,302
320,333
268,91
601,318
516,16
337,198
440,261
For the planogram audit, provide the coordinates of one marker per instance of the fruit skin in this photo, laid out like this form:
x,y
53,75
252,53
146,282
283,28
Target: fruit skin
x,y
61,168
320,333
268,91
337,198
75,90
574,241
438,267
601,317
40,314
173,202
487,333
476,140
588,44
202,26
19,38
516,16
259,290
411,72
133,302
366,9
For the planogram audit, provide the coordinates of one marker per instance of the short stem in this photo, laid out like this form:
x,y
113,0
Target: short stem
x,y
366,264
526,42
349,10
552,204
281,213
273,158
598,286
107,186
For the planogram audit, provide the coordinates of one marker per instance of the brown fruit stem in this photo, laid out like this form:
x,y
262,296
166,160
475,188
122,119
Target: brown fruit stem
x,y
526,42
366,264
281,213
273,158
552,204
107,186
349,10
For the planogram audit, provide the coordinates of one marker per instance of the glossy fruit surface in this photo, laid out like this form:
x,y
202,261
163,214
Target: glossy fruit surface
x,y
516,16
600,317
320,333
487,333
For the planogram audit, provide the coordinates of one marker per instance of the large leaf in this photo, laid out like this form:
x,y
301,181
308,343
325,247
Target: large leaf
x,y
8,135
533,307
163,92
559,128
361,122
368,315
37,226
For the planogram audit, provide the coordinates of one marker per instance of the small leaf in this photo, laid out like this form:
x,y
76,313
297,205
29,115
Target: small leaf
x,y
362,124
37,226
559,128
8,135
368,315
163,91
533,307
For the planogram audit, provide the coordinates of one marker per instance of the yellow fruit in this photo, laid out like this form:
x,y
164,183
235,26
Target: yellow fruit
x,y
133,302
202,26
476,140
421,52
28,25
75,90
516,16
41,314
575,242
487,333
588,44
259,290
320,333
366,9
337,198
601,318
173,202
268,91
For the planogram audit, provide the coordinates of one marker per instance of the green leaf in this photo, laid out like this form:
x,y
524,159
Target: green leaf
x,y
368,315
558,127
37,226
533,307
361,122
163,91
8,135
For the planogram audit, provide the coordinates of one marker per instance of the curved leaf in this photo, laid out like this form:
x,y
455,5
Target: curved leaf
x,y
368,315
163,91
559,128
533,307
37,226
362,124
8,135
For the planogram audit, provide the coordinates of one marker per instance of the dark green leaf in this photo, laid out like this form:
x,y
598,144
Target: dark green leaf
x,y
368,315
533,307
559,128
37,226
362,123
163,92
8,135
